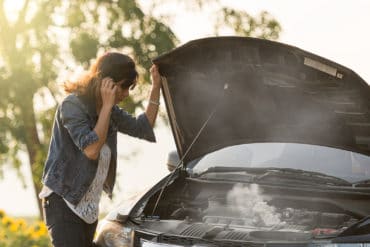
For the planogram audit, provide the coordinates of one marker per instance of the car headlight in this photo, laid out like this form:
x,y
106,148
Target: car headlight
x,y
113,234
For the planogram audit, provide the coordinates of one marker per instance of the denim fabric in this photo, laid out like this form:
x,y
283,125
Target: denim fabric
x,y
65,228
68,172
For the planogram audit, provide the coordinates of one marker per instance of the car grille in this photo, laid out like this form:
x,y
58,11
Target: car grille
x,y
181,240
196,230
236,235
196,234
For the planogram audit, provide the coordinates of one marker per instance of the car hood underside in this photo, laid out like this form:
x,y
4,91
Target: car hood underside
x,y
251,90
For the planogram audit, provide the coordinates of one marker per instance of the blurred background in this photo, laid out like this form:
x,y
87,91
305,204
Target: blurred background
x,y
44,43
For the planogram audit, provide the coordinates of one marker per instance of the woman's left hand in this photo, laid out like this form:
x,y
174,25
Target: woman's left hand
x,y
155,77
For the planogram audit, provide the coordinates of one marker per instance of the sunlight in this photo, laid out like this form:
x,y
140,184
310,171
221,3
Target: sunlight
x,y
12,9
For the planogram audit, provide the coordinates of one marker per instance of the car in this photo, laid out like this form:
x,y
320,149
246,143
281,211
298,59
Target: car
x,y
273,147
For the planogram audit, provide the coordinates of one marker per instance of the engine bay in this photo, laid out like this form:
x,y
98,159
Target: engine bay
x,y
249,212
287,219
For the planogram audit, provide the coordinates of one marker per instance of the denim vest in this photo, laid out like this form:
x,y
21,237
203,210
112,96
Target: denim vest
x,y
68,172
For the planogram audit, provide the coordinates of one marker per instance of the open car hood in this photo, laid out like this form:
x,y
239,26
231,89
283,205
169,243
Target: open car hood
x,y
261,91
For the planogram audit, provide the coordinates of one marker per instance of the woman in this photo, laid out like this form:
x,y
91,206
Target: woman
x,y
82,156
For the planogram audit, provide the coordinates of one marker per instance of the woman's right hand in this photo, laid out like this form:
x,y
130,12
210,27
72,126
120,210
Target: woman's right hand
x,y
108,92
108,95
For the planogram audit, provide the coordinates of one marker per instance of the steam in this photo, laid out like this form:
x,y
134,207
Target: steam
x,y
250,204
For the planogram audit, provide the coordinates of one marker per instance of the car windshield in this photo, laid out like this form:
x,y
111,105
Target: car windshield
x,y
347,165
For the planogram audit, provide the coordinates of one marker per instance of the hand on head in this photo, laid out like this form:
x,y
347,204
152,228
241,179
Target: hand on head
x,y
155,77
108,92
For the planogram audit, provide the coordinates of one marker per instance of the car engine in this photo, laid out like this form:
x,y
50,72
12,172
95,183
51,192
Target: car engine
x,y
248,213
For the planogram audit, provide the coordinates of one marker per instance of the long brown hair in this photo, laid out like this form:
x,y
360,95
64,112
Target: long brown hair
x,y
112,64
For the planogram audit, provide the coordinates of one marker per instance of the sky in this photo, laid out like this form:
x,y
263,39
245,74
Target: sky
x,y
337,30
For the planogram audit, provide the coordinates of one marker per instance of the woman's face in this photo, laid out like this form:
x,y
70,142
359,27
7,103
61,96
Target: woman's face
x,y
121,93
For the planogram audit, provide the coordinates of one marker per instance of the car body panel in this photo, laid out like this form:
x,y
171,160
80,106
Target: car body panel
x,y
261,91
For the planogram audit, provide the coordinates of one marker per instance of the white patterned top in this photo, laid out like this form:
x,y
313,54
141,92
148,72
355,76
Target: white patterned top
x,y
88,208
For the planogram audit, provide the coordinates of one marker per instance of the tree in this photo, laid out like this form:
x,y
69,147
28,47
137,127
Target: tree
x,y
33,49
27,53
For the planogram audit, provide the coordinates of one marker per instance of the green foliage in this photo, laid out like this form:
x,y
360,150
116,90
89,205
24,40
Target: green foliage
x,y
75,17
84,47
28,51
37,166
262,26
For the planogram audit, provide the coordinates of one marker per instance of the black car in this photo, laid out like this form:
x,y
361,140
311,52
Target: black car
x,y
274,150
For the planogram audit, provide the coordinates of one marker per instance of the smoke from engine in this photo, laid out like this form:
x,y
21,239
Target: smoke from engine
x,y
249,201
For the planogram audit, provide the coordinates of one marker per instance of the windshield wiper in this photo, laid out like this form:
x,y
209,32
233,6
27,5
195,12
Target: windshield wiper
x,y
221,169
303,175
263,174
